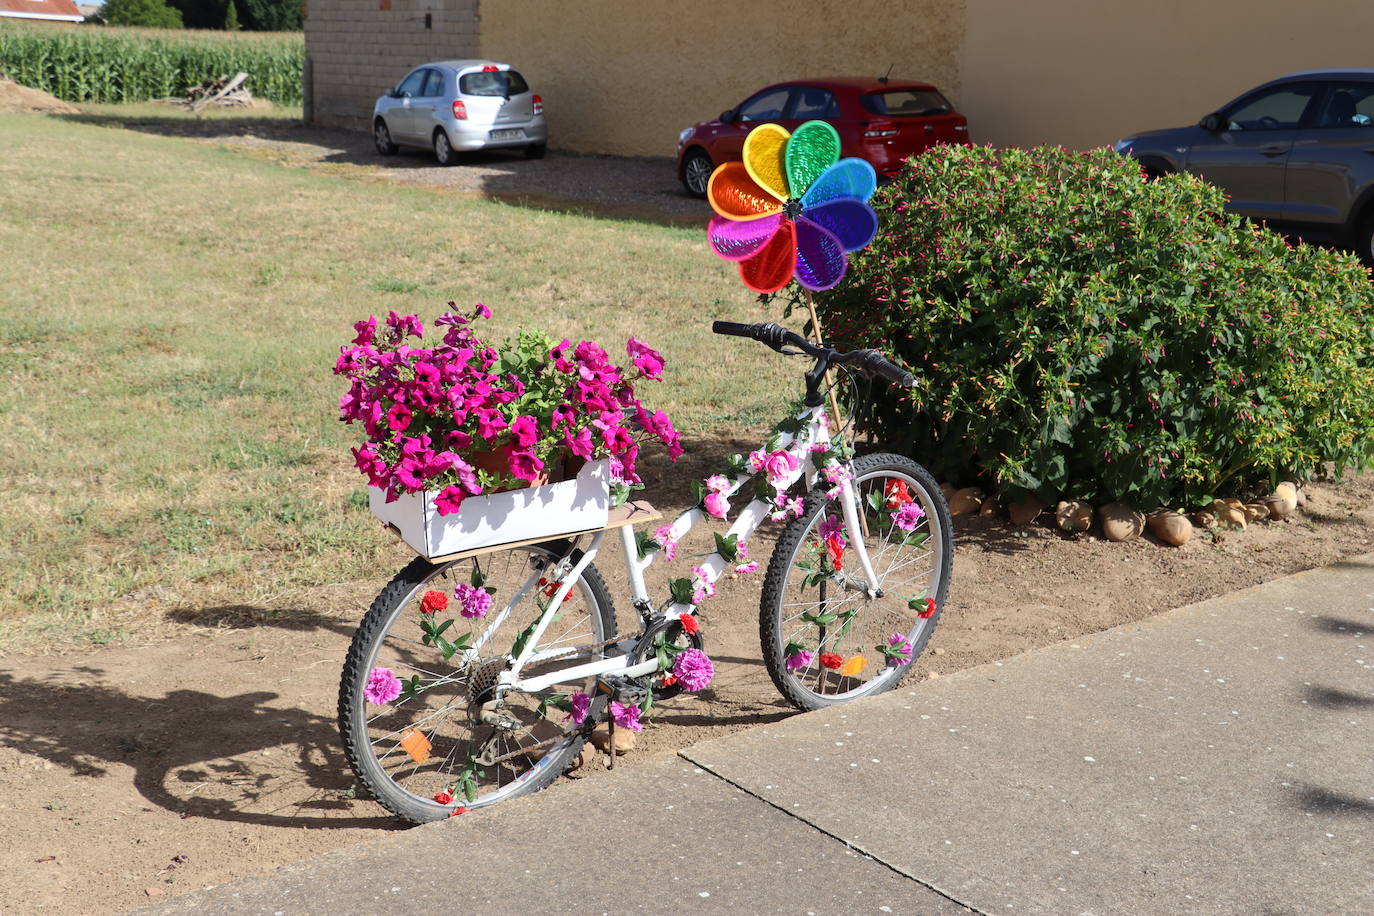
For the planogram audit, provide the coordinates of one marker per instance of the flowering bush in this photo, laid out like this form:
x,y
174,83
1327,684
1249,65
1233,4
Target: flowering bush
x,y
462,417
1076,330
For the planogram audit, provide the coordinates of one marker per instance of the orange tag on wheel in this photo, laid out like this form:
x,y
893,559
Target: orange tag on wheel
x,y
415,744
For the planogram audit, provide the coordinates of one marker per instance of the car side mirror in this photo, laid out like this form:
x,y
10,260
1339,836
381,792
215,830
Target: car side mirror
x,y
393,93
728,116
1211,122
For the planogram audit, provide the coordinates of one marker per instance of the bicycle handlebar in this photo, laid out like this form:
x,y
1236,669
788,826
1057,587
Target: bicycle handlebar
x,y
776,336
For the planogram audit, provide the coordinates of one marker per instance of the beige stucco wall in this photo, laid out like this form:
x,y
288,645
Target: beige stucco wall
x,y
1083,73
625,78
356,49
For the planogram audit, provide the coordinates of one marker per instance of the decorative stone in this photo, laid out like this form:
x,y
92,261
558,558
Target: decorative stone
x,y
1256,512
1204,519
1280,508
585,759
1026,511
624,740
946,491
1120,522
1171,528
965,501
1285,499
1229,516
991,508
1074,515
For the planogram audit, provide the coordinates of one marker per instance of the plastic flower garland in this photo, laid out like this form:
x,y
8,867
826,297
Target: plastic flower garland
x,y
432,414
793,207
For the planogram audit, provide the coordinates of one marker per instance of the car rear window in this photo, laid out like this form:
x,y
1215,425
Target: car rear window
x,y
493,82
907,103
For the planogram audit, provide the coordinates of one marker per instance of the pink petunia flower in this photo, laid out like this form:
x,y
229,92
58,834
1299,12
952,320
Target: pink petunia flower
x,y
693,669
383,686
524,432
648,360
626,715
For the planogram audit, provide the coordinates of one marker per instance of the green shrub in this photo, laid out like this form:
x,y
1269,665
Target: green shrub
x,y
1077,331
153,14
93,64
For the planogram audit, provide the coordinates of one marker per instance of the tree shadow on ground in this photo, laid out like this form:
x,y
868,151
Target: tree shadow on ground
x,y
247,616
189,739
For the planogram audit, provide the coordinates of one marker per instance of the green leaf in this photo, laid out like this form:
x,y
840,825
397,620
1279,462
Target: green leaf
x,y
680,590
645,544
727,547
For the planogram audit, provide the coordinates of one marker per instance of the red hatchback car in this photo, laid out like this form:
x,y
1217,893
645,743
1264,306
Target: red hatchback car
x,y
881,120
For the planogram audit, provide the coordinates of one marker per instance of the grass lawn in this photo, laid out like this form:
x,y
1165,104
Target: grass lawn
x,y
169,318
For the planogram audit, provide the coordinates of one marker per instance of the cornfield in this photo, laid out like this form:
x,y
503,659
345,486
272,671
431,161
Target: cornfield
x,y
106,64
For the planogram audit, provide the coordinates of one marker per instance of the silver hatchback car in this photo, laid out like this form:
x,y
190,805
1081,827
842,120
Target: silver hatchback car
x,y
456,106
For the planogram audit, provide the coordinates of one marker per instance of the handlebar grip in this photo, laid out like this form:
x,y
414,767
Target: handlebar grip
x,y
733,328
878,363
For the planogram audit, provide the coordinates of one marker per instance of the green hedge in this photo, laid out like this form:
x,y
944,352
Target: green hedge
x,y
1078,331
106,64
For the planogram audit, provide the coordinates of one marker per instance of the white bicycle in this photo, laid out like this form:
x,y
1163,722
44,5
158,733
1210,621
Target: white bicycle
x,y
852,592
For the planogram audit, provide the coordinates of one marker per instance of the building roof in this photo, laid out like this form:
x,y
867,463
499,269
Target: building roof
x,y
60,10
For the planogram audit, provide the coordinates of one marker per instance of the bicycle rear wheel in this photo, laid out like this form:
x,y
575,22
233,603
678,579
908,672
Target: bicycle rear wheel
x,y
410,717
825,639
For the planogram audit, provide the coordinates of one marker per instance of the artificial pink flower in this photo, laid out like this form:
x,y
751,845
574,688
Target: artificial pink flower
x,y
900,650
799,659
475,601
626,715
664,536
907,516
580,703
383,686
716,504
693,669
779,466
717,483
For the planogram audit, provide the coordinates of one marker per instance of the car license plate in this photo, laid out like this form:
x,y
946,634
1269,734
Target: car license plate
x,y
515,134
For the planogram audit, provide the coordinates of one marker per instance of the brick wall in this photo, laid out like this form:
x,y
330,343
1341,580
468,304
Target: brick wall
x,y
356,49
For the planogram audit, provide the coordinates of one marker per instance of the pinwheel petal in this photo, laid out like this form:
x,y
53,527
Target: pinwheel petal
x,y
851,221
734,195
846,178
821,261
765,158
814,147
736,240
768,270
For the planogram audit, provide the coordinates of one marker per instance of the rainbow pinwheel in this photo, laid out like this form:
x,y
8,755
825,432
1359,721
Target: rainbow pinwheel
x,y
793,207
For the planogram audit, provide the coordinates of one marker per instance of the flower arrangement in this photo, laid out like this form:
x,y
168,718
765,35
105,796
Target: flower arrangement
x,y
462,417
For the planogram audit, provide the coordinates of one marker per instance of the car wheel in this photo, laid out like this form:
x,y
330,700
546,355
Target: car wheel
x,y
696,172
382,136
444,153
536,151
1364,240
1154,168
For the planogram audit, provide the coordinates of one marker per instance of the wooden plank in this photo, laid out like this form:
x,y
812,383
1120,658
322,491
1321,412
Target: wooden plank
x,y
634,512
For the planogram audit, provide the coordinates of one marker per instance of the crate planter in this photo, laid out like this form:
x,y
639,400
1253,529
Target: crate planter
x,y
534,513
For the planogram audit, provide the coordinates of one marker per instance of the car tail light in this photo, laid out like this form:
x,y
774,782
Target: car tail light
x,y
490,69
962,125
460,111
538,105
876,129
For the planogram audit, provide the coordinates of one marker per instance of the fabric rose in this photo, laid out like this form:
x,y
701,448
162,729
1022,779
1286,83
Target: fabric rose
x,y
383,686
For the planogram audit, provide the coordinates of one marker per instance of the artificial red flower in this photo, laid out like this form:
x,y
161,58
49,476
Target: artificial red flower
x,y
897,493
433,602
443,797
835,547
690,626
669,680
831,660
930,609
457,811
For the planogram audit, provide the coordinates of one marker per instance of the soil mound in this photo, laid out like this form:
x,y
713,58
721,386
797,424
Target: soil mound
x,y
16,98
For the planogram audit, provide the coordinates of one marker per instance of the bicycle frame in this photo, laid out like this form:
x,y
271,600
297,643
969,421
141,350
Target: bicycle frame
x,y
814,432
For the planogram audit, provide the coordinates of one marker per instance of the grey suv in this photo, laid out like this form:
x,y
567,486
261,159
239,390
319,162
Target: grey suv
x,y
1297,152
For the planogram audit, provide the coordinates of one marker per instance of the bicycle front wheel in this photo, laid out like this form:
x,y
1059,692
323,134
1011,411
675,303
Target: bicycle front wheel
x,y
828,634
422,720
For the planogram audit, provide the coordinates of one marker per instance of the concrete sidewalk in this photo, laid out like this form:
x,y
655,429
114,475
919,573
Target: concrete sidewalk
x,y
1214,759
